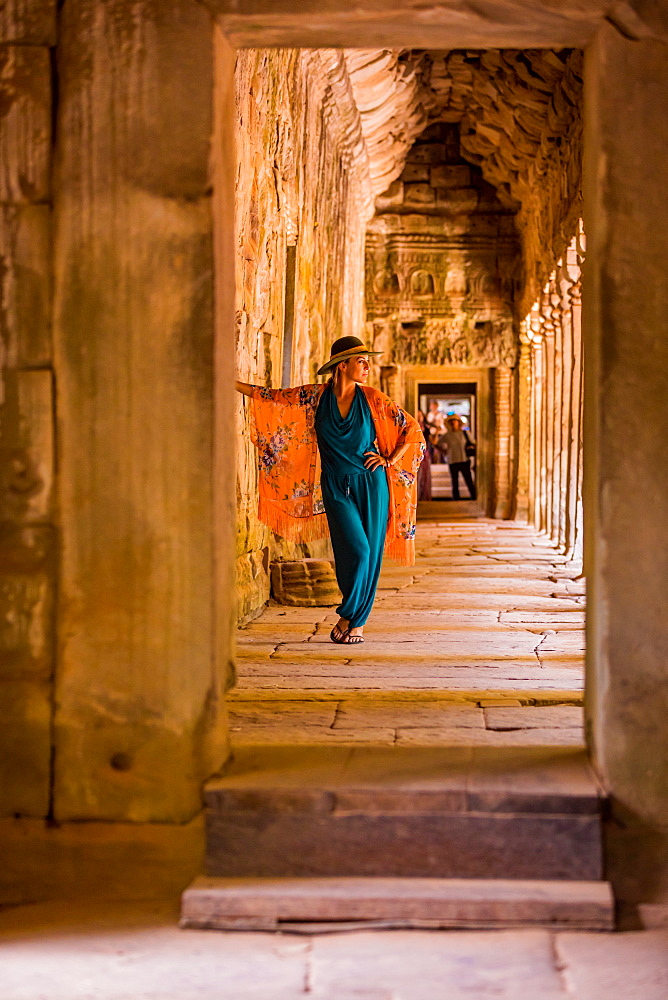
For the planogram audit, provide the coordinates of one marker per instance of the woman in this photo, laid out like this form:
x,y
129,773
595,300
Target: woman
x,y
369,451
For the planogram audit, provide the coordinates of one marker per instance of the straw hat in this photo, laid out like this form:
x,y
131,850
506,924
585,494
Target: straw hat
x,y
343,349
454,416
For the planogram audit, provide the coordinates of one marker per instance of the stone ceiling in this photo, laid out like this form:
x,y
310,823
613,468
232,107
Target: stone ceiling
x,y
514,107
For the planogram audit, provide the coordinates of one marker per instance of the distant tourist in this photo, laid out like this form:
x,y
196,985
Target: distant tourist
x,y
424,472
435,422
458,447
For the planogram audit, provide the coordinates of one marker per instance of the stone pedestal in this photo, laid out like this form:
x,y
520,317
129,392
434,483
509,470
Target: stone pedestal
x,y
306,583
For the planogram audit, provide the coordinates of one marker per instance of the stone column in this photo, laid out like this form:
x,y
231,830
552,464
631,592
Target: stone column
x,y
503,387
566,401
523,423
558,413
549,399
540,429
626,328
28,543
537,408
573,311
140,671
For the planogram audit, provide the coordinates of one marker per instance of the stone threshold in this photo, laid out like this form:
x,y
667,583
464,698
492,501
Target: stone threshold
x,y
329,905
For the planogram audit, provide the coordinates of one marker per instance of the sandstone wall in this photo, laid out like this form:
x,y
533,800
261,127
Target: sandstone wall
x,y
302,182
119,721
28,545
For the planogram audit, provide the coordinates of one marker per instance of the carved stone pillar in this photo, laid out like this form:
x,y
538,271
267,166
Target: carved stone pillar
x,y
537,416
523,423
567,402
559,412
573,537
503,385
548,410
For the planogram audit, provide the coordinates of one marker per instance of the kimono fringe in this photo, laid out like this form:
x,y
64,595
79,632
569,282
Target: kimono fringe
x,y
401,550
293,529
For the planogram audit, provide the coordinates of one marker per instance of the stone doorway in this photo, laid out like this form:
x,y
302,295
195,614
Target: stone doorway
x,y
531,493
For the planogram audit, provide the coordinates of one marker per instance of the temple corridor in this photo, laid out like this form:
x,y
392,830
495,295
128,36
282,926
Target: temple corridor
x,y
203,194
481,643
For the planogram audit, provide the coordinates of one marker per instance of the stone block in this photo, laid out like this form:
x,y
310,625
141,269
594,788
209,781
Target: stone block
x,y
457,199
251,583
416,173
266,903
89,861
450,176
25,124
29,458
426,152
595,965
25,760
392,197
421,965
29,22
368,843
535,717
307,583
419,194
147,81
129,765
25,256
26,625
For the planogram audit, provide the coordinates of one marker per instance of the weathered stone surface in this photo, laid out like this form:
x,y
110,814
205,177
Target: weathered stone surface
x,y
309,582
122,949
25,124
451,845
283,811
542,717
294,107
134,264
97,861
31,22
258,904
441,26
595,966
416,716
628,630
25,247
26,626
26,756
470,963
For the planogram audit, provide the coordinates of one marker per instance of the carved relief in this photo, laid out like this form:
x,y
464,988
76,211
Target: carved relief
x,y
422,283
387,283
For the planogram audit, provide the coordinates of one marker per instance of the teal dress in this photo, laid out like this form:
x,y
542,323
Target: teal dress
x,y
356,501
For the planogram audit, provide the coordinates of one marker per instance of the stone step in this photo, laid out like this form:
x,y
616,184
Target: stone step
x,y
443,812
311,904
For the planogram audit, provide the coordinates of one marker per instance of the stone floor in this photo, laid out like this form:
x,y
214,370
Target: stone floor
x,y
113,952
481,643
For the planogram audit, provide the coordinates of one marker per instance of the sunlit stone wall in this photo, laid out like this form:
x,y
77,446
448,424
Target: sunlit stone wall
x,y
303,182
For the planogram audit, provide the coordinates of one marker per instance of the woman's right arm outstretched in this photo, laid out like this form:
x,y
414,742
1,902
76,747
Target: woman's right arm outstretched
x,y
245,388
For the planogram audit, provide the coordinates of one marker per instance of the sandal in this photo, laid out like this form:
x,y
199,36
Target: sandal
x,y
341,634
351,640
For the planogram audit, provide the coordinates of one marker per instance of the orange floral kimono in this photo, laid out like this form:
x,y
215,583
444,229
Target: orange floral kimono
x,y
290,501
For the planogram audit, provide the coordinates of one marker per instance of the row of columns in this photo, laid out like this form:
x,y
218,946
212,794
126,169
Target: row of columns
x,y
551,392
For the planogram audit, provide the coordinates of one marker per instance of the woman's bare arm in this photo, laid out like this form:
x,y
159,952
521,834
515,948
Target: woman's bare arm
x,y
244,387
